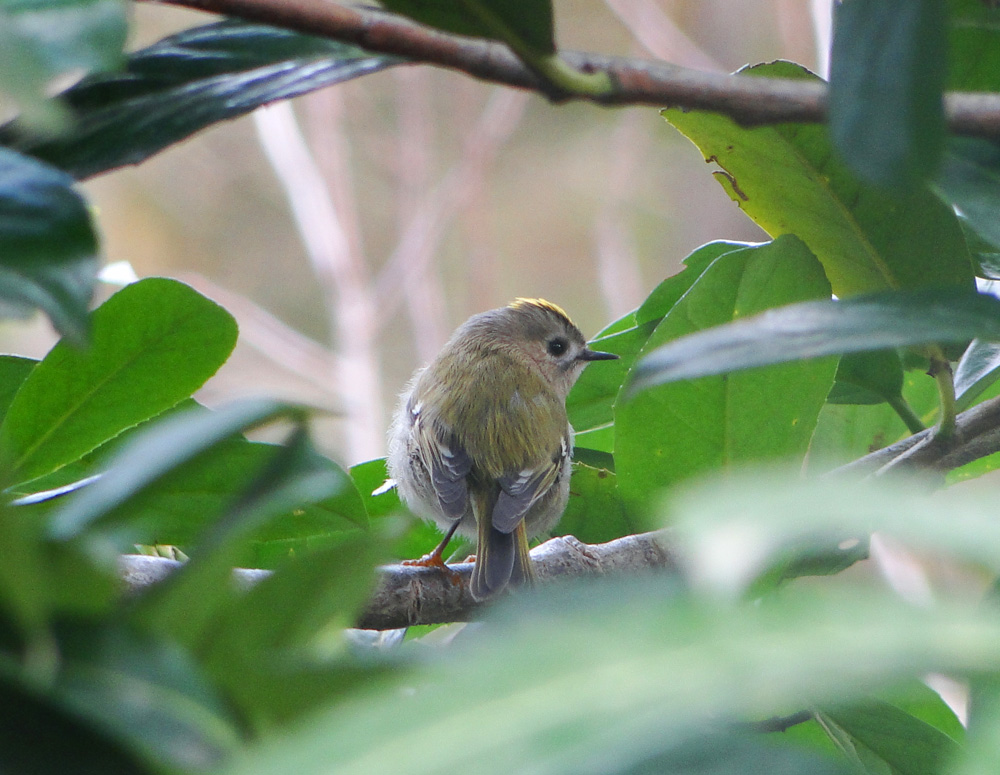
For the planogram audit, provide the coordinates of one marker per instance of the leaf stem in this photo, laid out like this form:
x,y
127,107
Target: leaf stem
x,y
941,371
906,414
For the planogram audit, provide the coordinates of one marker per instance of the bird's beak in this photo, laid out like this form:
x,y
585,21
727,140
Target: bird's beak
x,y
594,355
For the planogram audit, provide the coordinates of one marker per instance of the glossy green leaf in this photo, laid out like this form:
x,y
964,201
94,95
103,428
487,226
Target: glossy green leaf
x,y
654,672
43,39
152,344
13,371
48,247
788,179
520,23
818,328
185,83
887,73
674,431
590,403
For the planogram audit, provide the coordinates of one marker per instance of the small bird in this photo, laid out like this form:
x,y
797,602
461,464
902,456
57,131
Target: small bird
x,y
481,443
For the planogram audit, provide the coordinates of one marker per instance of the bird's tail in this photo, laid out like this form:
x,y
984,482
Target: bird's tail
x,y
501,558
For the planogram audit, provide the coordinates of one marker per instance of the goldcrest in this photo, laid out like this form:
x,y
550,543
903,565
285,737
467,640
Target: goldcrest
x,y
481,443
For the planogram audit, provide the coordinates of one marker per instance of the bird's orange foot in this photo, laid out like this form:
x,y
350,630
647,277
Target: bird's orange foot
x,y
435,560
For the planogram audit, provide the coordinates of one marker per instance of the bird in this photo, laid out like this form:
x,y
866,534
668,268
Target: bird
x,y
480,442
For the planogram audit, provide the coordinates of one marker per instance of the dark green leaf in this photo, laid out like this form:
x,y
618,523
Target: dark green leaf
x,y
153,343
868,378
818,328
185,83
976,371
887,73
39,736
970,180
148,694
43,39
523,24
675,431
866,239
48,248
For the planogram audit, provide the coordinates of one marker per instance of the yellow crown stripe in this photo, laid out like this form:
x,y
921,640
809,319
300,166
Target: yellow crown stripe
x,y
540,304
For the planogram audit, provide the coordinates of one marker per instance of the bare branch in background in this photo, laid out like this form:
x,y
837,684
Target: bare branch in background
x,y
275,340
341,275
618,273
656,32
749,101
423,292
422,236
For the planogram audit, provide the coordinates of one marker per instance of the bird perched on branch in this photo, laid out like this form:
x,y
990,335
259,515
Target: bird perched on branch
x,y
481,442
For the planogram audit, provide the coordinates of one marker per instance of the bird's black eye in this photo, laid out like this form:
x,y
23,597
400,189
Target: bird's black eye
x,y
557,346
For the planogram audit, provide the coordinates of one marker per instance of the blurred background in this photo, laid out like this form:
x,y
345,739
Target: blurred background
x,y
351,230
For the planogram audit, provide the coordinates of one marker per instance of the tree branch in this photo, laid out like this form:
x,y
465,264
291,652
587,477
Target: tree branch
x,y
748,101
408,595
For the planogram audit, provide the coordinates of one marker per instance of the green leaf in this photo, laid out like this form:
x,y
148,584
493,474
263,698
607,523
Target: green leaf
x,y
773,513
48,248
13,371
154,453
152,344
818,328
868,378
188,603
846,432
185,83
38,736
524,24
887,73
43,39
973,46
907,744
969,180
655,672
267,631
147,693
976,371
595,512
590,404
788,179
675,431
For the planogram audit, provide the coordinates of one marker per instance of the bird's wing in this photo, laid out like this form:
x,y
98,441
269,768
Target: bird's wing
x,y
448,464
520,490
